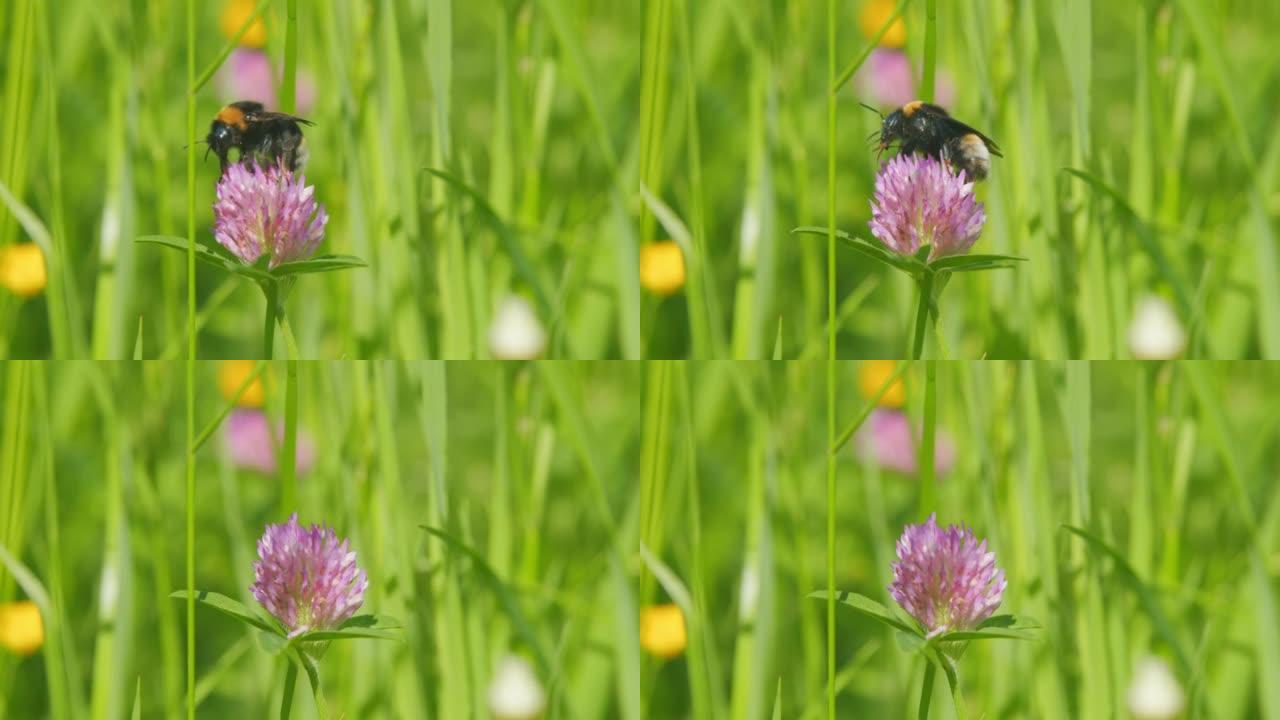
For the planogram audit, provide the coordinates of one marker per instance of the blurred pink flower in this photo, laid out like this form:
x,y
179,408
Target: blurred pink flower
x,y
248,443
885,439
248,75
885,79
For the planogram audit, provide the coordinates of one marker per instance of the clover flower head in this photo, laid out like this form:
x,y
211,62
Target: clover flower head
x,y
306,578
946,578
919,201
267,211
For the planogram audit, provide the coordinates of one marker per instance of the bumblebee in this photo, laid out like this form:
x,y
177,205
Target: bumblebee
x,y
921,127
262,137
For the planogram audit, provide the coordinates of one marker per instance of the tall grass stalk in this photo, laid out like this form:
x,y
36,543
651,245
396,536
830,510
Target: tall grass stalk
x,y
929,68
831,360
191,365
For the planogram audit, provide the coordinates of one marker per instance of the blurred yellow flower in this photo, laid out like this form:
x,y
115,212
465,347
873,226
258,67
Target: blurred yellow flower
x,y
232,374
662,267
21,627
874,373
662,631
234,14
872,17
22,269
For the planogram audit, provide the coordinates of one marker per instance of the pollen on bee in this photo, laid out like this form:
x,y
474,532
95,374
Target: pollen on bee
x,y
910,108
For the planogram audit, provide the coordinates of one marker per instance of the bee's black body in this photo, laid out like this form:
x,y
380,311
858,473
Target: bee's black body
x,y
261,136
925,128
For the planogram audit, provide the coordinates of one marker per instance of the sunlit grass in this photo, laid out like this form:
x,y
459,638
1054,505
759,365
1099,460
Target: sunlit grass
x,y
496,95
1173,171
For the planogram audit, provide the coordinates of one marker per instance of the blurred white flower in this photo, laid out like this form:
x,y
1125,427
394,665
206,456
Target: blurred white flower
x,y
514,693
1154,693
1155,333
515,333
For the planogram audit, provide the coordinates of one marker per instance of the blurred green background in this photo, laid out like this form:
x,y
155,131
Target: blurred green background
x,y
1167,105
528,103
532,465
1167,464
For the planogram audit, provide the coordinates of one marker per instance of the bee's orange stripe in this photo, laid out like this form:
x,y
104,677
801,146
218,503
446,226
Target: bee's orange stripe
x,y
910,108
231,116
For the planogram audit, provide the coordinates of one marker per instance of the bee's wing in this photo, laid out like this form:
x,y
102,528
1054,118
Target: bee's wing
x,y
268,116
959,128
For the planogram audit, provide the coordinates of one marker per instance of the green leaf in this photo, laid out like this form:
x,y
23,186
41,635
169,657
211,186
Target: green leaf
x,y
971,263
271,642
319,264
870,608
360,626
508,239
502,593
205,255
230,608
1146,236
369,621
996,626
137,700
1000,621
940,659
1146,597
301,659
873,250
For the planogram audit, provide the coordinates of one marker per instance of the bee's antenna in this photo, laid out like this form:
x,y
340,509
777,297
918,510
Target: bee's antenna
x,y
877,112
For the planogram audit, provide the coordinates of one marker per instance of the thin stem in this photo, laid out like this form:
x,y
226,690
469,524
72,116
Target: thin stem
x,y
289,86
290,682
272,292
212,427
922,315
290,345
831,361
288,476
926,690
232,44
191,365
930,48
928,485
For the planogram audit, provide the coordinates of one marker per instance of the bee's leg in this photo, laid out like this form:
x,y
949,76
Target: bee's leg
x,y
290,144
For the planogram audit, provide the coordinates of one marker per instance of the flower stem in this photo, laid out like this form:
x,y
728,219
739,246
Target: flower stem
x,y
922,314
930,49
272,292
289,453
290,682
928,484
926,690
